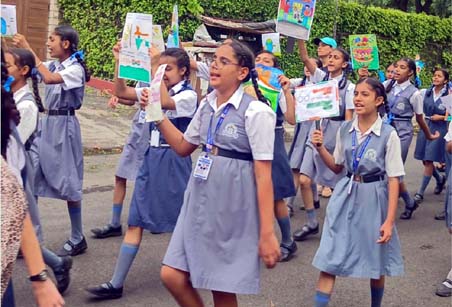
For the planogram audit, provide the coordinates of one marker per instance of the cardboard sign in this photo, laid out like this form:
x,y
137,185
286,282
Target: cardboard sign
x,y
295,18
173,36
317,100
271,43
154,108
9,20
157,38
364,51
134,60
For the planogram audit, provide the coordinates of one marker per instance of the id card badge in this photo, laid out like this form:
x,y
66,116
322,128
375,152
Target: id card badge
x,y
142,117
155,138
202,167
350,185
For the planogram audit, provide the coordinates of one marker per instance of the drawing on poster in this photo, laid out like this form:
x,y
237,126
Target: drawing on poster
x,y
154,107
134,61
157,38
364,51
8,20
271,43
319,100
295,18
173,36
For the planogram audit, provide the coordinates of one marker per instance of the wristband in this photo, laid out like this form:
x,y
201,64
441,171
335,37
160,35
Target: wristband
x,y
39,277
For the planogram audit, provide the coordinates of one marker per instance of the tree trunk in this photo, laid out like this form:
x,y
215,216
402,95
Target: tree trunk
x,y
423,8
401,4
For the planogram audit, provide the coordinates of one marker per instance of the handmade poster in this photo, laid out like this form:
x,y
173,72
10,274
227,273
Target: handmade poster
x,y
9,21
134,60
271,43
173,36
317,100
157,38
269,76
364,51
295,18
154,108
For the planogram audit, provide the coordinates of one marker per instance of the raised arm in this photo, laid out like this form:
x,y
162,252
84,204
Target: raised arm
x,y
289,115
305,57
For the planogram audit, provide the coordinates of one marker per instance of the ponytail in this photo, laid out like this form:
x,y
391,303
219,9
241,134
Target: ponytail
x,y
79,56
303,81
260,96
390,85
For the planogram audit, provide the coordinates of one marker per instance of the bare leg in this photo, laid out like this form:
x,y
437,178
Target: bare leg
x,y
223,299
178,284
306,191
326,282
119,192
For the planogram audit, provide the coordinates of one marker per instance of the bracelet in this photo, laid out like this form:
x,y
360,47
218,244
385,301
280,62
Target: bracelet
x,y
39,64
40,277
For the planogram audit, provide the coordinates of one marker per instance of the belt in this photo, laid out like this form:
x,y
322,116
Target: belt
x,y
337,118
217,151
366,178
402,118
61,112
279,127
160,145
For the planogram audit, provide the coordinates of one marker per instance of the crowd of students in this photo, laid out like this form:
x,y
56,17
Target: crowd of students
x,y
221,208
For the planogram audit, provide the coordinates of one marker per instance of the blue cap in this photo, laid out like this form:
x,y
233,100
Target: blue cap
x,y
327,41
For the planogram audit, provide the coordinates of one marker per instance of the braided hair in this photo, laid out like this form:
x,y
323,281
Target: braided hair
x,y
23,57
245,58
345,71
412,67
446,78
68,33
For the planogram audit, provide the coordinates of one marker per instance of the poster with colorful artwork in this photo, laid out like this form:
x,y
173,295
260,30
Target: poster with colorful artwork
x,y
157,38
364,51
134,60
269,83
271,43
317,100
9,20
154,108
295,18
173,36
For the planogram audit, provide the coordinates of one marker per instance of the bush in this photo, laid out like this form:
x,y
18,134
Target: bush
x,y
399,34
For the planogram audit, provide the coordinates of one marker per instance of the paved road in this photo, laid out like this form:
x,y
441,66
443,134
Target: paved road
x,y
425,243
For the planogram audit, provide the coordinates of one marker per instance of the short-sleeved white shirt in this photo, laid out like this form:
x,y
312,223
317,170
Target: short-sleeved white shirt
x,y
393,158
72,74
28,114
185,101
416,100
319,75
203,71
260,123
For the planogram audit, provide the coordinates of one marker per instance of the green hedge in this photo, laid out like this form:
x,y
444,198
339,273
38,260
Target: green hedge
x,y
399,34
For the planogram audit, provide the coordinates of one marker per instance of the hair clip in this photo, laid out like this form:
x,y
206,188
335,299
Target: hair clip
x,y
80,54
7,84
34,71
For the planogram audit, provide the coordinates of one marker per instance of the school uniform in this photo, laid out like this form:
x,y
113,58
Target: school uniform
x,y
163,176
432,150
217,232
137,142
312,164
448,202
28,110
355,213
59,172
404,101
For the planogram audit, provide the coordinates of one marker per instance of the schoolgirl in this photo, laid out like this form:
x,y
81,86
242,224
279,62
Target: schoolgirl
x,y
132,154
21,66
59,165
433,151
163,176
297,149
226,221
404,101
359,238
282,181
312,167
389,74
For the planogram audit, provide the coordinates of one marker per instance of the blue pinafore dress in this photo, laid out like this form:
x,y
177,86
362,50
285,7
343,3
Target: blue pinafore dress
x,y
352,223
217,233
137,142
432,150
312,164
58,143
160,184
401,112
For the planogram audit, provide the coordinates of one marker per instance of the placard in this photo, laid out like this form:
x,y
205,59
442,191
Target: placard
x,y
271,43
317,100
154,108
173,36
364,51
295,18
8,20
134,60
157,38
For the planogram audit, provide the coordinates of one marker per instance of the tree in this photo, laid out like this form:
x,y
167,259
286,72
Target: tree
x,y
423,7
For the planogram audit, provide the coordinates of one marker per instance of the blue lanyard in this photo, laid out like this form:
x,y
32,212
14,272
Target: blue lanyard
x,y
357,159
210,137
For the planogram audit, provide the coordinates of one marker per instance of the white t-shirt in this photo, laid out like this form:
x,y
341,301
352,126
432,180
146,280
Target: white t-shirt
x,y
28,114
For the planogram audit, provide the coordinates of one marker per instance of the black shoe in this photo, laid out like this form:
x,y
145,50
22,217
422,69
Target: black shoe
x,y
107,231
444,289
106,291
287,251
290,209
418,198
76,249
62,275
305,231
317,204
440,216
440,185
406,215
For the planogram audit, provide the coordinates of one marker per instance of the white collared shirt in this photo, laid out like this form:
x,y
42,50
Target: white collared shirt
x,y
260,123
416,100
393,157
73,75
319,75
203,71
28,114
435,96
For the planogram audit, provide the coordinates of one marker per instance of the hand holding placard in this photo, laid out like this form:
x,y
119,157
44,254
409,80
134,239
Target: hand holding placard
x,y
154,108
